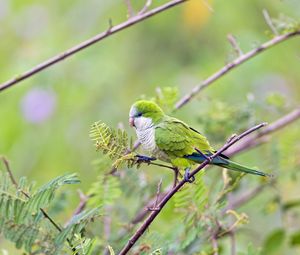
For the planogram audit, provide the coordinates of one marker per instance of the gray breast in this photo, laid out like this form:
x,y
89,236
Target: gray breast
x,y
147,138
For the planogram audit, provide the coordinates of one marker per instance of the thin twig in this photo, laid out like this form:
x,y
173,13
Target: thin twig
x,y
146,6
7,166
140,231
214,243
141,214
238,61
269,22
157,196
245,197
129,8
161,165
81,206
209,7
232,243
112,30
234,44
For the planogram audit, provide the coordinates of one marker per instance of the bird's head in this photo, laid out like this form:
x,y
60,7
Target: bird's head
x,y
144,114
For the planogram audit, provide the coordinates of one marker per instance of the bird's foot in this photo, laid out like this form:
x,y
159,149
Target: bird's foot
x,y
144,159
187,176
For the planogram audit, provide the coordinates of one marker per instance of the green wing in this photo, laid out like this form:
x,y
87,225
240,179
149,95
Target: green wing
x,y
177,139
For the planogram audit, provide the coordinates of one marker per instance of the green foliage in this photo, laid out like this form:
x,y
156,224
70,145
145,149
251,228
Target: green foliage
x,y
166,97
23,222
82,245
111,251
77,225
285,24
110,142
192,195
157,252
251,250
274,242
295,239
162,50
217,124
113,143
105,190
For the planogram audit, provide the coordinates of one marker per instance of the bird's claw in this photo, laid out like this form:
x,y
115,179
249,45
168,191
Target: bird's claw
x,y
187,176
144,159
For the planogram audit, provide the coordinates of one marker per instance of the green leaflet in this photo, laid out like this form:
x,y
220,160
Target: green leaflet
x,y
110,142
105,191
192,194
76,225
21,220
45,194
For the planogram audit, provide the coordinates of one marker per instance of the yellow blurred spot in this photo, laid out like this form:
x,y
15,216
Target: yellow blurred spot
x,y
196,13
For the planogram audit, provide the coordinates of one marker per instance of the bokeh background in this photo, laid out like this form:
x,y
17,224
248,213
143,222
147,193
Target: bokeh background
x,y
45,120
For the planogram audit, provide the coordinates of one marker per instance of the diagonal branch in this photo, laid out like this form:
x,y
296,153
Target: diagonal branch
x,y
238,61
140,231
110,31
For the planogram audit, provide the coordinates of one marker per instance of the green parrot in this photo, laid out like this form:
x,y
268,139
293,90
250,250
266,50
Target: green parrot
x,y
173,141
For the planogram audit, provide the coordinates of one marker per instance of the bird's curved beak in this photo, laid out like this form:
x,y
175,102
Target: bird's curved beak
x,y
131,121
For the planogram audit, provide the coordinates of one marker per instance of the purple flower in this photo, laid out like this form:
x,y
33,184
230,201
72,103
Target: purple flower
x,y
38,105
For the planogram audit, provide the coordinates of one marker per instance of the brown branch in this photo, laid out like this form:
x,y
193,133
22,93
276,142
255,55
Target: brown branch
x,y
81,206
146,6
234,44
129,8
7,166
261,137
269,22
238,61
246,197
110,31
140,231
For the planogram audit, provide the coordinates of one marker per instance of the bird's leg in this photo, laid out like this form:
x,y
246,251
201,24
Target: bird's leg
x,y
202,154
144,159
175,176
187,176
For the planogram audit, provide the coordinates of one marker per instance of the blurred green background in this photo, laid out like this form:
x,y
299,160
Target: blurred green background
x,y
45,120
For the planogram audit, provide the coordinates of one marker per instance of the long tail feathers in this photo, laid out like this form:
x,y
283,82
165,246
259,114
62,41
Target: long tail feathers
x,y
223,162
237,167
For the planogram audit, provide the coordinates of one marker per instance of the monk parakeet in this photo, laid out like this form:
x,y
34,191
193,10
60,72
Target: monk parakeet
x,y
173,141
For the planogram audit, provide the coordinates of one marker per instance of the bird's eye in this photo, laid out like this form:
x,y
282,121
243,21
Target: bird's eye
x,y
139,114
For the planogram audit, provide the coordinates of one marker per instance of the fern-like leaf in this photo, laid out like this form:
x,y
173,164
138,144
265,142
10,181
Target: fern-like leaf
x,y
76,225
21,220
114,143
45,194
105,191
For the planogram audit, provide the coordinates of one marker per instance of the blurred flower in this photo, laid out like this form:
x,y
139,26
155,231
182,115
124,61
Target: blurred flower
x,y
196,13
4,8
38,105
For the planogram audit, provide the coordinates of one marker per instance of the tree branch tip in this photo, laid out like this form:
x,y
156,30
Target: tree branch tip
x,y
4,159
272,176
231,137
